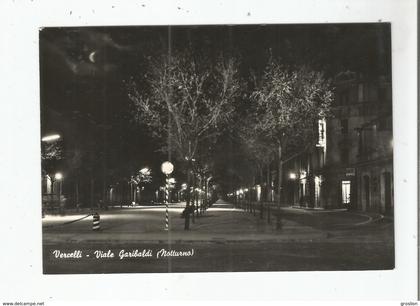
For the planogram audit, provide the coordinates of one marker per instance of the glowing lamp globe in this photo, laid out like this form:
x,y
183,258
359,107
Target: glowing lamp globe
x,y
167,168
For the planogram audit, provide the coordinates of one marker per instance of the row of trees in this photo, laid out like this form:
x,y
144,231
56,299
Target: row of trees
x,y
187,101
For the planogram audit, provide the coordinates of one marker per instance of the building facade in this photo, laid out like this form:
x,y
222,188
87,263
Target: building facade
x,y
351,165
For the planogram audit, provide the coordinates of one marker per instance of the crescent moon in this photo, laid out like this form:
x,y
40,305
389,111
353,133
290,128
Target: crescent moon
x,y
92,56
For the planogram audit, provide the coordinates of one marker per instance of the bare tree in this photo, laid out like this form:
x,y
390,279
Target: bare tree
x,y
52,155
288,103
259,149
187,99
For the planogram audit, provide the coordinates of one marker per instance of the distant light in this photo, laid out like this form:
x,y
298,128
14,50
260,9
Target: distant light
x,y
145,171
58,176
50,137
184,186
172,180
292,176
246,189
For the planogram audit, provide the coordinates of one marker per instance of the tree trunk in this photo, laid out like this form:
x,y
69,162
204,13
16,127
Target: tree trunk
x,y
194,200
279,187
77,195
92,191
206,200
268,183
188,199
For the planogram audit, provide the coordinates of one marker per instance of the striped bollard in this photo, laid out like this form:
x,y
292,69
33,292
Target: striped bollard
x,y
166,204
96,222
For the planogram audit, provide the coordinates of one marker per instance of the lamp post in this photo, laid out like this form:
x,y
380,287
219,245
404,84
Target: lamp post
x,y
131,199
188,206
59,177
295,186
167,168
206,204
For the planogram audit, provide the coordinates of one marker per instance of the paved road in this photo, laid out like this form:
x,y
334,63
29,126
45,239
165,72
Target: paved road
x,y
224,239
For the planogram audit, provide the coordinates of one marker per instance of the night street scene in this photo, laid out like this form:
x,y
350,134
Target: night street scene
x,y
216,148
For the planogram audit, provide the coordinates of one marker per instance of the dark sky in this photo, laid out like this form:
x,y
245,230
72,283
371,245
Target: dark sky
x,y
80,67
83,69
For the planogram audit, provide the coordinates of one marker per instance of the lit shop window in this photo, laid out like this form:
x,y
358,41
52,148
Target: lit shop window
x,y
322,135
345,189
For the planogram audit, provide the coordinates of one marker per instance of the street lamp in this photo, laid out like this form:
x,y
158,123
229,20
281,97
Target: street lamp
x,y
145,171
207,191
132,198
49,138
59,177
167,168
